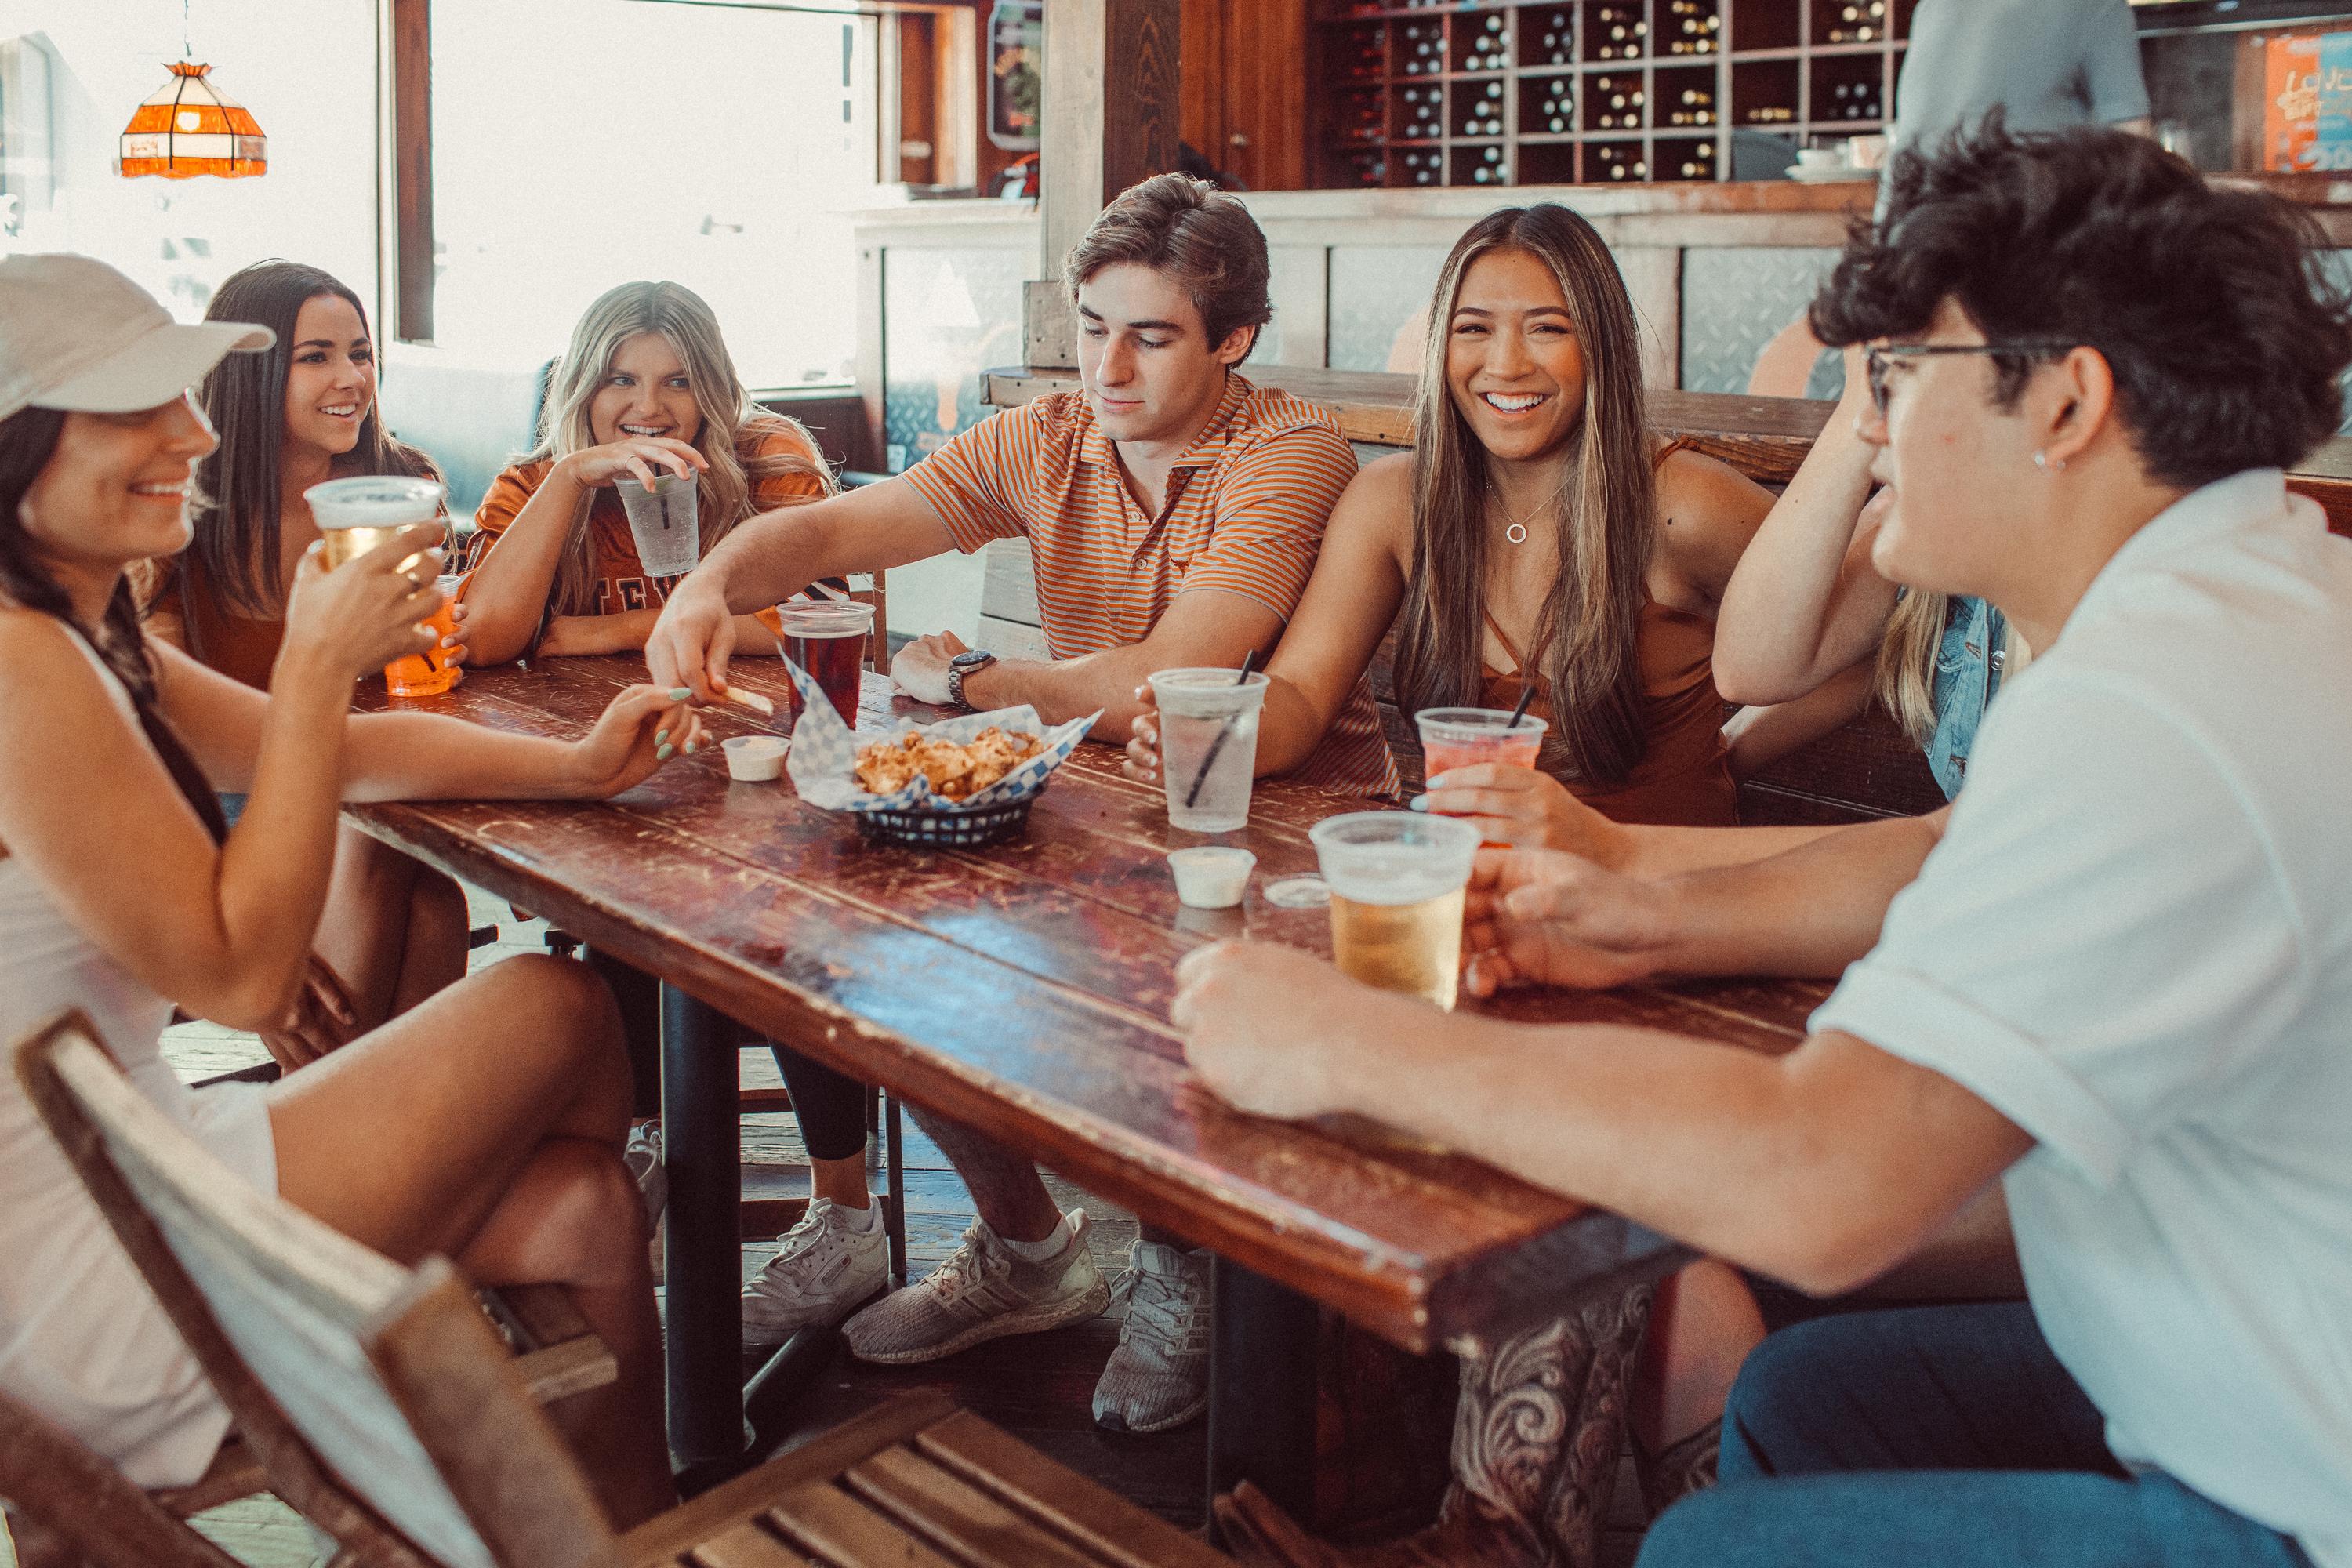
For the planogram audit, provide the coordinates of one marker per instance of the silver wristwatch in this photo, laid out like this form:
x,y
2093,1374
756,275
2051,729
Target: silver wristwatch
x,y
961,664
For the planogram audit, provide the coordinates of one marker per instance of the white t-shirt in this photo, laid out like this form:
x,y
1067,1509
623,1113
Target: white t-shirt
x,y
2135,943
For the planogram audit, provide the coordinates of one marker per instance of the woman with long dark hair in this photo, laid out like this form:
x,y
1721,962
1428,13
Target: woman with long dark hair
x,y
297,415
1539,539
124,893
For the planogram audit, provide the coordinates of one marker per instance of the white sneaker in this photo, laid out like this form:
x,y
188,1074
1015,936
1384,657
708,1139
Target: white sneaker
x,y
1157,1379
643,1156
825,1268
982,1291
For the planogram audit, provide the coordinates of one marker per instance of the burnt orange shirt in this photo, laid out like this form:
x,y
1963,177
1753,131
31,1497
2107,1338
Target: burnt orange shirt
x,y
621,580
1246,505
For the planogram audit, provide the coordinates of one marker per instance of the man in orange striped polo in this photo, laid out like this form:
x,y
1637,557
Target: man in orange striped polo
x,y
1174,512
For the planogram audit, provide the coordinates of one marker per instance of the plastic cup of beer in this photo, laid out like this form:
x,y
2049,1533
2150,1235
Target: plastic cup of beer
x,y
1462,737
1207,746
663,520
1397,881
827,637
364,514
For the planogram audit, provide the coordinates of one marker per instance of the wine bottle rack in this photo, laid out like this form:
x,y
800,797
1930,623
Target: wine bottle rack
x,y
1489,93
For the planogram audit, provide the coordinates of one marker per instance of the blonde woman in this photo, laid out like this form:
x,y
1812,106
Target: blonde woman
x,y
1806,602
646,387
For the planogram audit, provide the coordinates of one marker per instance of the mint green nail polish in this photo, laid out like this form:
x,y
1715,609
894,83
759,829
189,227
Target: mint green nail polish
x,y
660,735
1418,803
662,753
693,746
680,693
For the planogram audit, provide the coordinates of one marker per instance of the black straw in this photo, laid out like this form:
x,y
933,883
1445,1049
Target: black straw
x,y
1525,697
1224,733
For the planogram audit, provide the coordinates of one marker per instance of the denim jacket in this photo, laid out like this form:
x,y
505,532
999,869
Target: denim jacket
x,y
1968,672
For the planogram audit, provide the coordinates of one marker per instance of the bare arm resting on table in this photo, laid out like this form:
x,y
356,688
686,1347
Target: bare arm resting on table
x,y
1801,902
774,555
1209,628
1824,1167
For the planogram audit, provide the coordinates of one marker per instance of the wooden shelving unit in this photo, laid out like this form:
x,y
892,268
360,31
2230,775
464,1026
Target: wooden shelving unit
x,y
1539,93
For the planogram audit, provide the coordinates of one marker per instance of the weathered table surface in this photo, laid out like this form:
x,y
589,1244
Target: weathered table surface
x,y
1023,988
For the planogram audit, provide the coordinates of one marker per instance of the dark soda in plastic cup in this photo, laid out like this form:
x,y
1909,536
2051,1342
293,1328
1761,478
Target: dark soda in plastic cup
x,y
827,638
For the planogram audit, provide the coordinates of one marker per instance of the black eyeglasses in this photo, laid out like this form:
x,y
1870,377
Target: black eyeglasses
x,y
1881,357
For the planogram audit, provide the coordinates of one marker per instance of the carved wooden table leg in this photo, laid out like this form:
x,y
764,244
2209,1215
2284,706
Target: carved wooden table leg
x,y
702,1260
1262,1388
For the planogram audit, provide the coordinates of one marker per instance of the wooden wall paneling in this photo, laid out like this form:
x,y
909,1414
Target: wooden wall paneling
x,y
412,170
1201,96
872,360
955,35
1263,80
914,158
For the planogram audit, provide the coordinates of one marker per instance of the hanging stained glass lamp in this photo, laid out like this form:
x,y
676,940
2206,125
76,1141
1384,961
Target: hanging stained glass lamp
x,y
188,129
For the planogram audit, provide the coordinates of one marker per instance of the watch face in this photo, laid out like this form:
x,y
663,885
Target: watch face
x,y
971,660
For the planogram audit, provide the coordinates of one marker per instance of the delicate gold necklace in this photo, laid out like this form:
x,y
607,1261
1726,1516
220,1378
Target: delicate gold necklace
x,y
1518,533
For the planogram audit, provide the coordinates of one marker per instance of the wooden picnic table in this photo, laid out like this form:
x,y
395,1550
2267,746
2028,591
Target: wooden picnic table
x,y
1023,989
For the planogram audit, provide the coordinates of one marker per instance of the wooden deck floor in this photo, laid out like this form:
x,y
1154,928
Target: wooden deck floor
x,y
1037,1386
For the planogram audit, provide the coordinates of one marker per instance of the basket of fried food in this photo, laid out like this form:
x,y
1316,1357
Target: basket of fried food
x,y
953,771
958,784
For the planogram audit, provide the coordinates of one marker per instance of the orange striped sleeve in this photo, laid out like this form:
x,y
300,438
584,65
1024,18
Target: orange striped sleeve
x,y
976,482
1272,501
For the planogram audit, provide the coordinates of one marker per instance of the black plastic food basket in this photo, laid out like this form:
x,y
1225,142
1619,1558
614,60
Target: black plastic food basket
x,y
945,829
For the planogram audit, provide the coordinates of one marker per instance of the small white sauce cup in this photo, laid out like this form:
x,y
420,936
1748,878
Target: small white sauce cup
x,y
755,759
1211,876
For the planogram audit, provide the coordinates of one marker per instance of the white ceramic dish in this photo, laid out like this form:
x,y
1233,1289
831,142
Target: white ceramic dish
x,y
755,759
1211,876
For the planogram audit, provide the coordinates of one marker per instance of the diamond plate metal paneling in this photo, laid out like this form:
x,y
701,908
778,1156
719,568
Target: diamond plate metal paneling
x,y
1377,295
953,314
1736,298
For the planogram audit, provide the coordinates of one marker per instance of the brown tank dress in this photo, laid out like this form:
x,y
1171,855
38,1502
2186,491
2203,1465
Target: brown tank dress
x,y
1684,778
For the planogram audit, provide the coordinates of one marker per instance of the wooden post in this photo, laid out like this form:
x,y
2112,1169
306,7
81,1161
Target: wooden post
x,y
1110,120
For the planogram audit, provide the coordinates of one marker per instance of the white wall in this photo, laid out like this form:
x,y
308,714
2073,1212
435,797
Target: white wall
x,y
307,71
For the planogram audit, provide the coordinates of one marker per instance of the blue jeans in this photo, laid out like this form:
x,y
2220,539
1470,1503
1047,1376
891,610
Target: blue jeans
x,y
1930,1436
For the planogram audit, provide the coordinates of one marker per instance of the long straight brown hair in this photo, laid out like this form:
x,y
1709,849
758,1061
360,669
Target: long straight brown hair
x,y
1603,516
236,510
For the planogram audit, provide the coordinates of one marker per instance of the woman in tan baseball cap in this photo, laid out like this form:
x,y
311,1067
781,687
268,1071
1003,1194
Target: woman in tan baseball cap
x,y
123,894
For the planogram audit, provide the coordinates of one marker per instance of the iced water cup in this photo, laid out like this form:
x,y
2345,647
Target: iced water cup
x,y
1207,746
358,515
1397,881
825,638
663,520
1462,737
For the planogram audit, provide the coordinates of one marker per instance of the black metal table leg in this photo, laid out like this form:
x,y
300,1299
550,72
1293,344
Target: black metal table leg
x,y
1261,1389
702,1153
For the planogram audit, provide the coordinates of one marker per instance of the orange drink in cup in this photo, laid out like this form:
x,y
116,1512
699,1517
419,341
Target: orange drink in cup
x,y
358,515
1462,737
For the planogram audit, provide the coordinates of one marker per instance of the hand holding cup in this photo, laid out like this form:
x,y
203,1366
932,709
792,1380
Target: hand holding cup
x,y
370,611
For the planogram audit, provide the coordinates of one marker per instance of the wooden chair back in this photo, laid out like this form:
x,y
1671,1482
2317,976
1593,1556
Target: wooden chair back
x,y
67,1506
336,1360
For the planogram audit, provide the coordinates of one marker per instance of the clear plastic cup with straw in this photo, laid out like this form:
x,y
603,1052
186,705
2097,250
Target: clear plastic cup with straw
x,y
1207,746
663,520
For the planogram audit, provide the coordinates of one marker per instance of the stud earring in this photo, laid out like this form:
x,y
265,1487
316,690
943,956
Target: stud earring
x,y
2041,461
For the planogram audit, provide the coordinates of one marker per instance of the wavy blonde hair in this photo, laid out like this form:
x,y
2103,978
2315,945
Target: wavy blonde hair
x,y
1906,661
733,426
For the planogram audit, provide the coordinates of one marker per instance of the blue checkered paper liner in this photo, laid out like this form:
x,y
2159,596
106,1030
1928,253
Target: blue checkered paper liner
x,y
824,759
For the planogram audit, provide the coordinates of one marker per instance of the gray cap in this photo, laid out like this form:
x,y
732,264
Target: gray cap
x,y
77,334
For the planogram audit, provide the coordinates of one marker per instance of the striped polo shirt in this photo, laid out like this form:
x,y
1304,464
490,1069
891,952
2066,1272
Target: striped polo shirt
x,y
1246,506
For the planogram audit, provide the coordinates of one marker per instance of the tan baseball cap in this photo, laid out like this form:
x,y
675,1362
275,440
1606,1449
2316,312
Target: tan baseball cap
x,y
77,334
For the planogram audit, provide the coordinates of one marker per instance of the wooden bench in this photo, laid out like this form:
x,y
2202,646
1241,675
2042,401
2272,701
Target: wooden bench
x,y
382,1402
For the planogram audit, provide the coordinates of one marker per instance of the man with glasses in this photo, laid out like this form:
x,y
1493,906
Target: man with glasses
x,y
2120,988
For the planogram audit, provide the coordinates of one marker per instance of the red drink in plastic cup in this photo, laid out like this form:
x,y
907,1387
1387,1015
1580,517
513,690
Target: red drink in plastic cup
x,y
826,638
1462,737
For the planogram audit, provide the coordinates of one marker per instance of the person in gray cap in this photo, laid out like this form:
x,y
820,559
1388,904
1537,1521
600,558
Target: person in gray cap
x,y
123,894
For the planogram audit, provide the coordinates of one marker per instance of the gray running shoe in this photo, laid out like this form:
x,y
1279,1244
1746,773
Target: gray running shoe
x,y
981,1292
1157,1379
824,1269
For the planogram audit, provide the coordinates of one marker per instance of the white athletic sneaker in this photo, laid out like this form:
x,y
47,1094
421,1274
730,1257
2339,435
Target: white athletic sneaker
x,y
825,1268
643,1156
982,1291
1158,1378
